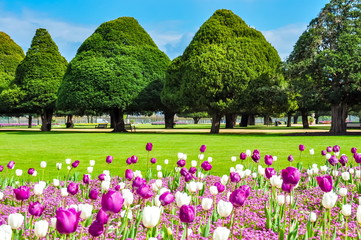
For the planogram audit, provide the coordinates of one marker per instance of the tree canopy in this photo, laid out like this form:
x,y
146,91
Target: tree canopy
x,y
217,66
118,68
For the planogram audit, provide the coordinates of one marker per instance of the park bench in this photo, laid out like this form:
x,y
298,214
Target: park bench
x,y
101,125
129,127
353,125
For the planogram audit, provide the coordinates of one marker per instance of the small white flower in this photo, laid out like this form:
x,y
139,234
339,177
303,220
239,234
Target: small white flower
x,y
346,210
180,155
35,173
324,168
38,189
335,173
213,190
281,199
248,153
41,228
138,173
254,175
312,217
328,156
90,169
159,174
232,169
56,182
64,192
106,172
275,158
221,233
86,210
351,171
342,192
43,164
129,215
248,172
207,203
261,170
68,167
201,156
121,185
185,156
105,185
199,186
239,167
59,165
200,175
194,163
312,151
159,167
68,161
92,163
166,161
224,179
210,159
18,172
233,158
345,176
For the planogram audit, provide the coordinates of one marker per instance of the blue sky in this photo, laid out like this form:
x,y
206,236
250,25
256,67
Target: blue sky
x,y
172,24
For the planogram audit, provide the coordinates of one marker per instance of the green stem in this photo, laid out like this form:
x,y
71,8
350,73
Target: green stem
x,y
346,229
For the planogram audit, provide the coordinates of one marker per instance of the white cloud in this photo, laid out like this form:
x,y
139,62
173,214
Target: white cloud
x,y
21,29
284,38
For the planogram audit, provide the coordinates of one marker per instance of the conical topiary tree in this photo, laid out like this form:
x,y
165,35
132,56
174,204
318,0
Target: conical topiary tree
x,y
11,55
114,70
223,57
38,78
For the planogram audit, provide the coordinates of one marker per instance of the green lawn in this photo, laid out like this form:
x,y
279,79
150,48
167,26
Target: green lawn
x,y
28,149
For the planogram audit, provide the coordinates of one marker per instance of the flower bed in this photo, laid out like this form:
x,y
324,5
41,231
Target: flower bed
x,y
15,124
186,201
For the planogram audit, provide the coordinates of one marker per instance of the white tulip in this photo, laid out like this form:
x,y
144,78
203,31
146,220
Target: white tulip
x,y
275,158
184,156
191,187
324,168
199,186
194,163
289,199
35,173
200,175
159,167
90,169
159,183
224,208
310,172
18,172
159,174
248,172
281,199
154,187
210,159
312,217
68,167
64,192
105,185
233,158
221,233
312,151
56,182
129,215
358,214
345,176
59,165
15,220
43,164
254,175
1,195
346,210
138,173
92,163
86,210
5,232
224,179
106,172
166,161
121,185
315,170
42,184
128,197
342,192
351,171
53,222
207,203
335,173
182,199
337,153
248,153
201,156
151,216
68,161
328,156
276,181
180,155
232,169
76,207
261,170
358,173
329,199
213,190
157,202
38,189
239,167
41,228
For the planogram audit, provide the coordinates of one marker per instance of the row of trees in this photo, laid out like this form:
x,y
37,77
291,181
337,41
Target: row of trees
x,y
228,69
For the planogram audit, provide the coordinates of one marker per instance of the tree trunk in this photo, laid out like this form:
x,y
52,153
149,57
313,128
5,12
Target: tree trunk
x,y
46,118
112,123
69,121
30,121
244,120
251,120
317,117
196,120
118,116
338,118
295,119
230,120
216,122
169,119
289,120
267,120
305,123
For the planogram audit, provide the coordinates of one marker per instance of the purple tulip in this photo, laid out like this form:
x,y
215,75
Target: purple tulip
x,y
286,187
187,213
291,175
75,164
67,220
31,171
357,157
301,147
129,174
333,160
323,152
11,165
96,229
188,177
181,163
290,158
343,160
1,168
234,176
129,161
93,194
268,160
149,147
134,159
166,198
256,157
145,191
137,182
36,209
101,177
329,149
183,171
325,183
269,172
109,159
336,148
220,187
22,193
86,179
192,170
203,148
256,151
153,160
246,189
206,166
243,156
353,150
102,216
73,188
237,197
112,201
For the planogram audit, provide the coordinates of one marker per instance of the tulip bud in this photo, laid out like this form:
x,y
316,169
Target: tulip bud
x,y
75,163
203,148
329,200
166,198
187,213
233,158
41,228
93,194
149,147
109,159
301,147
151,216
96,229
86,178
36,209
312,217
43,164
68,161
